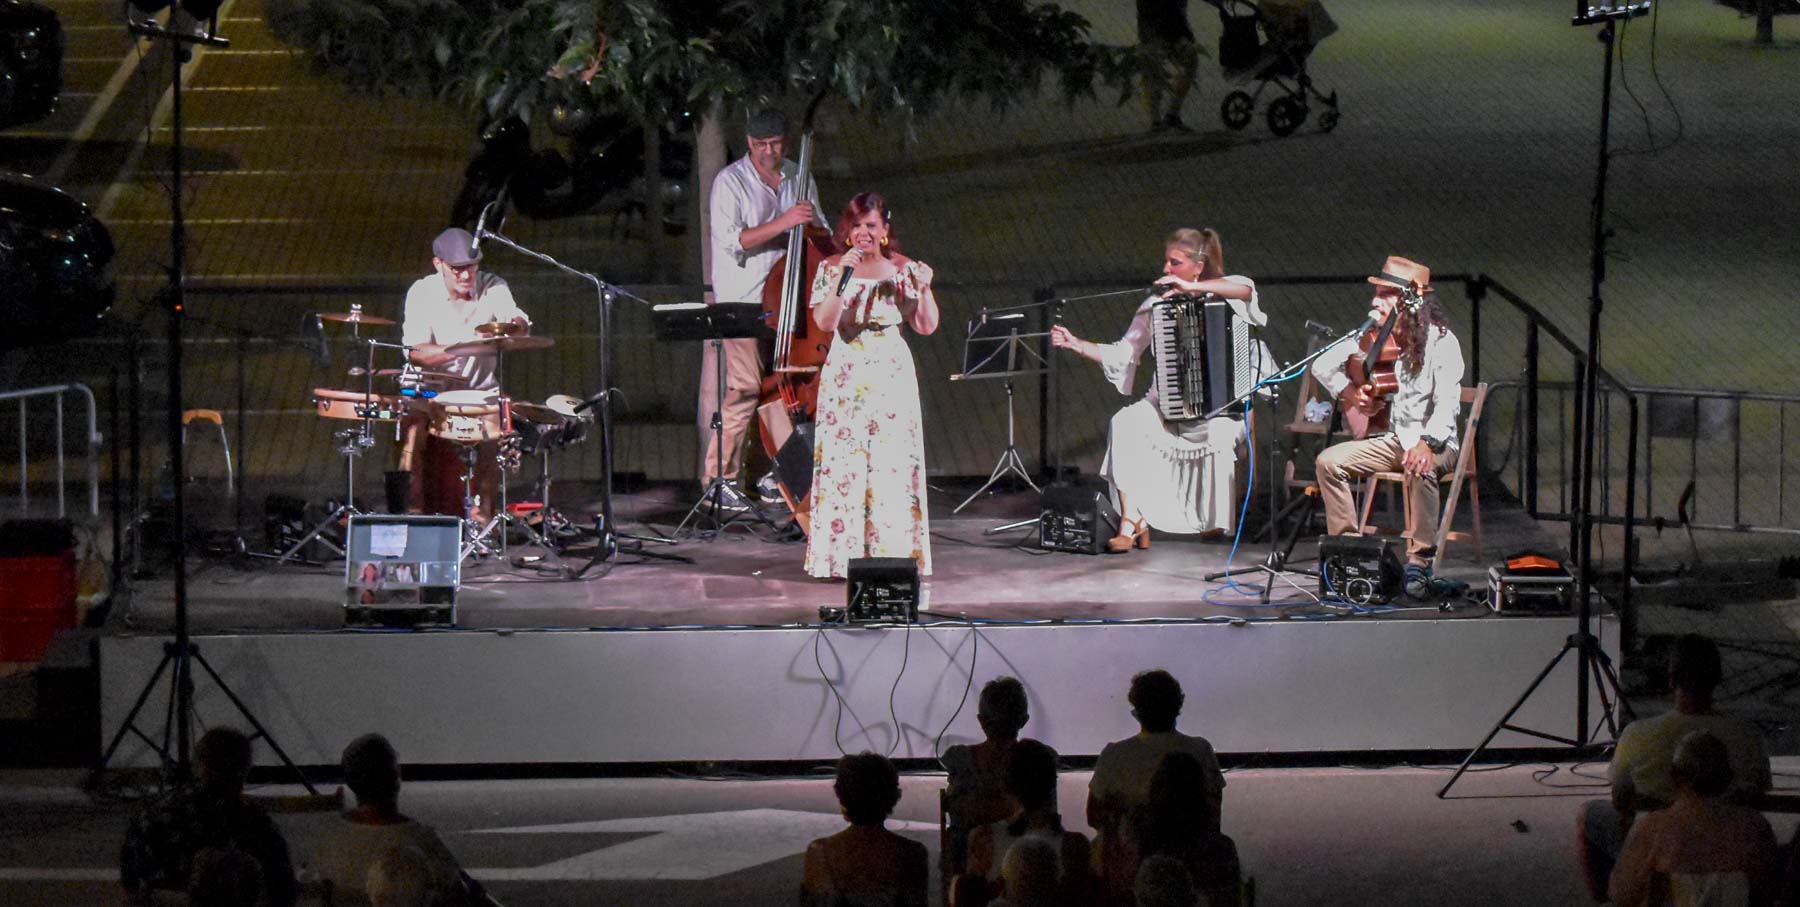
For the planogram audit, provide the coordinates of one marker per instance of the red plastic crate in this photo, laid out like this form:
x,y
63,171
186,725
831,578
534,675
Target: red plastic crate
x,y
37,599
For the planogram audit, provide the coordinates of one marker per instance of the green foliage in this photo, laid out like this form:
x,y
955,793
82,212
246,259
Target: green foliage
x,y
662,60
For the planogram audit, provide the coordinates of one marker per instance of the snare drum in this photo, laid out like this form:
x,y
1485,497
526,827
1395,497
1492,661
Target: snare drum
x,y
470,417
337,404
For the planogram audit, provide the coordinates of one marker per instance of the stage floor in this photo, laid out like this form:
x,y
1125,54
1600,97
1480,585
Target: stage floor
x,y
745,578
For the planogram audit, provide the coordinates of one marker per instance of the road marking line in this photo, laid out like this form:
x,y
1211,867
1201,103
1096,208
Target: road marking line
x,y
84,130
136,157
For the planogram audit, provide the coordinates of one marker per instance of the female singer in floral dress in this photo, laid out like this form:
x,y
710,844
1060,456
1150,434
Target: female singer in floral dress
x,y
868,490
1175,476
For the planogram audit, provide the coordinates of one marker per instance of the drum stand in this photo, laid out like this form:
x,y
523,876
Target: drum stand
x,y
354,442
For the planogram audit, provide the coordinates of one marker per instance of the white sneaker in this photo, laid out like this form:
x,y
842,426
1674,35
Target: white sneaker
x,y
731,498
769,489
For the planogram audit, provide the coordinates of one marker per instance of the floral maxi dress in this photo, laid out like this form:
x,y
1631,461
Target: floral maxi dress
x,y
868,490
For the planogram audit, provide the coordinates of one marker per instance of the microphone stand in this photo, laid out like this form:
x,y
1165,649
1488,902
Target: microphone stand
x,y
1274,564
606,540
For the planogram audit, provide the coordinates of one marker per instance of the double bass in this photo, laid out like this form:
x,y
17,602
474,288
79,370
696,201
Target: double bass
x,y
789,398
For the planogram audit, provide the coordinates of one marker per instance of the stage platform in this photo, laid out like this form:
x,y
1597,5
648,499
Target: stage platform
x,y
723,657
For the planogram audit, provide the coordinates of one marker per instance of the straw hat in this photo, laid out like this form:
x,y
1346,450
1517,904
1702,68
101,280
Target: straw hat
x,y
1402,273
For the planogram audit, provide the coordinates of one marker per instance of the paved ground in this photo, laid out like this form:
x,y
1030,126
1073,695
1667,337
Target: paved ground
x,y
1308,836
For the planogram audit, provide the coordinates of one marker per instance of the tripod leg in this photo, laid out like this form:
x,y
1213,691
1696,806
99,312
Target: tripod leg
x,y
129,724
244,710
342,511
1504,722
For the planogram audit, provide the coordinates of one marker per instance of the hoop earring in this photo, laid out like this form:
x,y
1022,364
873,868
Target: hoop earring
x,y
884,241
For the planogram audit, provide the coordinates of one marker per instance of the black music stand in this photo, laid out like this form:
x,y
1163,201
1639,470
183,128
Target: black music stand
x,y
714,324
996,348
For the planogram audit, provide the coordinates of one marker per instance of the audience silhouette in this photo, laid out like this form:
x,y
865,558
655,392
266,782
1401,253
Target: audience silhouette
x,y
975,792
1701,849
165,837
865,865
1640,769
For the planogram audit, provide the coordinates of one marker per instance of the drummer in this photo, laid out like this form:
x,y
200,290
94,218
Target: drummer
x,y
443,310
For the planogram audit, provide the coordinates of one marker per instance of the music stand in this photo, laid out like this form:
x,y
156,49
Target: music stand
x,y
715,324
996,348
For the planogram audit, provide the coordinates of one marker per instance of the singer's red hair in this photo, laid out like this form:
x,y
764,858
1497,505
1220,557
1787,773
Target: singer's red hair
x,y
859,206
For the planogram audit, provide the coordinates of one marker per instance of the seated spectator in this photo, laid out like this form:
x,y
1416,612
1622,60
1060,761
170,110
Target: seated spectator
x,y
1164,882
1031,873
1031,787
1639,772
224,877
866,864
976,792
1123,771
1702,849
375,826
163,839
1174,821
400,877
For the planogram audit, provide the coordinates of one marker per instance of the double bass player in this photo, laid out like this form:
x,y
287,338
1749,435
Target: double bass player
x,y
755,201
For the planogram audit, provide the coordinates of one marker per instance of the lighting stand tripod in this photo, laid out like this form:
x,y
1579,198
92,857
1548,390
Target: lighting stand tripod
x,y
1592,665
995,349
179,654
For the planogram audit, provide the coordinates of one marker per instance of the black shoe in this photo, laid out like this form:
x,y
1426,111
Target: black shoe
x,y
1173,123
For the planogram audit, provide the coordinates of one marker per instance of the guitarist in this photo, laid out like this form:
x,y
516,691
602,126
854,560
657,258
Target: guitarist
x,y
1413,428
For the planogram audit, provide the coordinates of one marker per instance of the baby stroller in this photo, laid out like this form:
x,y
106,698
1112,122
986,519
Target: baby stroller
x,y
1269,42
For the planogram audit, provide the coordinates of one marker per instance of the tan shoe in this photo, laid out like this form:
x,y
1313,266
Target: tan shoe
x,y
1129,538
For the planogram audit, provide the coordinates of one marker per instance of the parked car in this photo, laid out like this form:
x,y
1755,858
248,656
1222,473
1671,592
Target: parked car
x,y
56,262
31,52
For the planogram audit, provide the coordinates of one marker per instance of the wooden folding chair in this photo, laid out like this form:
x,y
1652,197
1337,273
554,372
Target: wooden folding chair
x,y
1474,398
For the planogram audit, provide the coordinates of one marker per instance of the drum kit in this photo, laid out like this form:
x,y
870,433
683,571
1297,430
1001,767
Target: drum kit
x,y
477,422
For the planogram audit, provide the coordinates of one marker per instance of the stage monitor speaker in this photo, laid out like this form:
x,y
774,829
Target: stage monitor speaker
x,y
402,571
1361,570
1076,515
883,588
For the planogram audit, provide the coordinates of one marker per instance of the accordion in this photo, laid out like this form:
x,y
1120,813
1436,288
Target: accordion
x,y
1204,359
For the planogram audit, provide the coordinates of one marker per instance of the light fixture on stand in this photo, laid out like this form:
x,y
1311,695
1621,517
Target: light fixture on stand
x,y
180,655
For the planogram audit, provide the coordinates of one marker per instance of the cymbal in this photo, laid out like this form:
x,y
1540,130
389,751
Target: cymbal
x,y
517,343
355,318
499,328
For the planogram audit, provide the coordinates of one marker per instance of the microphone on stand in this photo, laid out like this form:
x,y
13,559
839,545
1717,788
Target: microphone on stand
x,y
1368,322
481,225
321,346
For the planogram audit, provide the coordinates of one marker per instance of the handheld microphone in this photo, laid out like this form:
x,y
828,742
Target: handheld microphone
x,y
843,282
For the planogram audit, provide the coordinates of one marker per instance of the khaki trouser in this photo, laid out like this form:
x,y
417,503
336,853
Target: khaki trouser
x,y
743,384
1343,463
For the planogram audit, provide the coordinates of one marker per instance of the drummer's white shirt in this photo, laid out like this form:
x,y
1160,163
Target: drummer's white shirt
x,y
433,317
